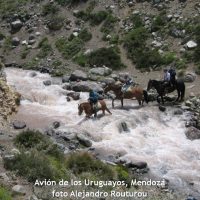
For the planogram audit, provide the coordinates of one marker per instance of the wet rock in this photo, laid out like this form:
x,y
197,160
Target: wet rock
x,y
84,140
33,74
19,189
190,198
78,75
192,133
123,127
138,165
178,112
108,80
19,124
47,82
45,70
56,124
162,108
68,99
15,41
74,95
86,86
65,78
190,77
101,71
66,86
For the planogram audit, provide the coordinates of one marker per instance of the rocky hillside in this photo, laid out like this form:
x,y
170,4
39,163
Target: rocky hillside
x,y
61,35
9,100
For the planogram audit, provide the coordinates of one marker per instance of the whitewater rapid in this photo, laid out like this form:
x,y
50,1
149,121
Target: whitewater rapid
x,y
155,137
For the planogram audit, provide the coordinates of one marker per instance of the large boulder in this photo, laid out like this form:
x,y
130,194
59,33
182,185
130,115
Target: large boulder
x,y
191,44
84,140
74,95
19,189
190,77
19,124
78,75
101,71
16,26
192,133
15,41
86,86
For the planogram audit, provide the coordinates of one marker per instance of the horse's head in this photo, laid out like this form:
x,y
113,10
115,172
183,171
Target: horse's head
x,y
80,109
150,85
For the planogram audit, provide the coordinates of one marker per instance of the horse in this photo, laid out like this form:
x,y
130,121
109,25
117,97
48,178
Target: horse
x,y
137,92
87,108
162,90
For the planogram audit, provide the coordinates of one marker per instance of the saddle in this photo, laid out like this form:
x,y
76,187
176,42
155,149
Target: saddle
x,y
126,88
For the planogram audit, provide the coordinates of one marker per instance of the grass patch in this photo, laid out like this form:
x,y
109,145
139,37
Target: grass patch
x,y
159,22
24,53
69,48
45,48
5,194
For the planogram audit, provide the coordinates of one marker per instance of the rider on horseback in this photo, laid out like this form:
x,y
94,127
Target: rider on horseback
x,y
172,72
93,99
128,82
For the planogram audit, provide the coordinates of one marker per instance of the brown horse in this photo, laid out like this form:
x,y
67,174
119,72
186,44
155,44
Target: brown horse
x,y
137,92
87,108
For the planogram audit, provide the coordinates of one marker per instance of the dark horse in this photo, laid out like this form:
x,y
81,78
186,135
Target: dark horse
x,y
87,108
137,92
162,90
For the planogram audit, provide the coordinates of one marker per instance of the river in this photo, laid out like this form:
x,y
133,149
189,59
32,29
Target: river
x,y
155,137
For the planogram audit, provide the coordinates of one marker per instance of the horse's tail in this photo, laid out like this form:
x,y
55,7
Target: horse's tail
x,y
183,91
146,97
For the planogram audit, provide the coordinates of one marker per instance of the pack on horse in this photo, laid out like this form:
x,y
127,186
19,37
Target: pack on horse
x,y
162,89
137,92
88,109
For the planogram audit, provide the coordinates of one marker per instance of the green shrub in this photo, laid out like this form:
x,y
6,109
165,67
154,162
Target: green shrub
x,y
7,45
159,22
4,194
109,24
55,22
33,165
69,2
137,21
69,48
49,8
105,56
180,64
148,58
45,48
84,162
85,35
97,18
169,57
30,139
